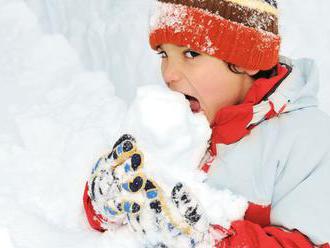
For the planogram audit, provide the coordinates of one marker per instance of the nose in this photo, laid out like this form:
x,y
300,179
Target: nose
x,y
172,72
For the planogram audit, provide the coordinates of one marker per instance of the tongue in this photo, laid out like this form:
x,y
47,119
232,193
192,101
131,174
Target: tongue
x,y
195,106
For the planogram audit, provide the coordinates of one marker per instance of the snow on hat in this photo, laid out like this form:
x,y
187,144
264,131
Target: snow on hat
x,y
240,32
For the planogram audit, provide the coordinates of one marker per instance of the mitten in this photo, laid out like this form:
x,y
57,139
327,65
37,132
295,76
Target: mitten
x,y
108,178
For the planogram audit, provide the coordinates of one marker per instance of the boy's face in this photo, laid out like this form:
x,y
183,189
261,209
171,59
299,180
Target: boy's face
x,y
206,81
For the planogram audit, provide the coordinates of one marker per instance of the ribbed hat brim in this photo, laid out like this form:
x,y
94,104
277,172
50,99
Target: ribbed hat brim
x,y
203,31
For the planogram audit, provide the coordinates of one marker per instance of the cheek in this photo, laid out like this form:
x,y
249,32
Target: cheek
x,y
218,90
212,86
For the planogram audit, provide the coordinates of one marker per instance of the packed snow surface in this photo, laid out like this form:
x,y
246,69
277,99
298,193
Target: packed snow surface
x,y
69,73
59,118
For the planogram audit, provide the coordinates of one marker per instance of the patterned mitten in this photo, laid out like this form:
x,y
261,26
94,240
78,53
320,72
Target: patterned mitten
x,y
106,181
178,221
121,192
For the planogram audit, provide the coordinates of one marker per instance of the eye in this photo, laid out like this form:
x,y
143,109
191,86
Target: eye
x,y
191,54
162,54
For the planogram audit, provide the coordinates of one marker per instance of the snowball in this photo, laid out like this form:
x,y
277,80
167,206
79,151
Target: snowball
x,y
174,140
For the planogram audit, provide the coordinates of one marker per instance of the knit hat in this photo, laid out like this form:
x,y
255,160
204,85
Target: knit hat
x,y
240,32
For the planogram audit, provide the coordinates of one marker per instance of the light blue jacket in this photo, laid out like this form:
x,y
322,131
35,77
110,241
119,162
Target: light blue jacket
x,y
285,161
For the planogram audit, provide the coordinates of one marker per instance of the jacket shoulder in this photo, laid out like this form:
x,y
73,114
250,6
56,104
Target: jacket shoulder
x,y
302,173
308,127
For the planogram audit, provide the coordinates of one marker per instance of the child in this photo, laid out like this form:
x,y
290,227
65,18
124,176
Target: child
x,y
269,143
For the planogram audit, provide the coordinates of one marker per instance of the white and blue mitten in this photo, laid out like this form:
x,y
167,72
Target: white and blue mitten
x,y
172,218
106,181
177,220
121,192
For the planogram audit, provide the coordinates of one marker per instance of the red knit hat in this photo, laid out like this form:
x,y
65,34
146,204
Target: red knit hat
x,y
240,32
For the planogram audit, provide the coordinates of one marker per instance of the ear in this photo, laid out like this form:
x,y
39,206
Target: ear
x,y
247,71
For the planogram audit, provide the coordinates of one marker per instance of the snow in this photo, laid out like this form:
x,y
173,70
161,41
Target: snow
x,y
168,15
5,238
173,143
68,70
54,126
105,33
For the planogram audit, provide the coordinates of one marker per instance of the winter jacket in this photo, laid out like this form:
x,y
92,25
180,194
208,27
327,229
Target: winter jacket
x,y
273,149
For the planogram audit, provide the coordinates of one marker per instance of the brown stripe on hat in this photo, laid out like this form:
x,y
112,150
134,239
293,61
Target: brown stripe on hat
x,y
234,12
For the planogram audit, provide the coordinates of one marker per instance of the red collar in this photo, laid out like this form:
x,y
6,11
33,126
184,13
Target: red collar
x,y
231,123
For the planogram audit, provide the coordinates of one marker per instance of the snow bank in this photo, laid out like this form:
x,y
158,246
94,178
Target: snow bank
x,y
107,34
60,118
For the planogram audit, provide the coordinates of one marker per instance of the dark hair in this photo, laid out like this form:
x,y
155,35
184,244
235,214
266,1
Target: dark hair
x,y
261,74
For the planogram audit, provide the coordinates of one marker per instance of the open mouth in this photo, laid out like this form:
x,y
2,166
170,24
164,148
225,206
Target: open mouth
x,y
194,103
